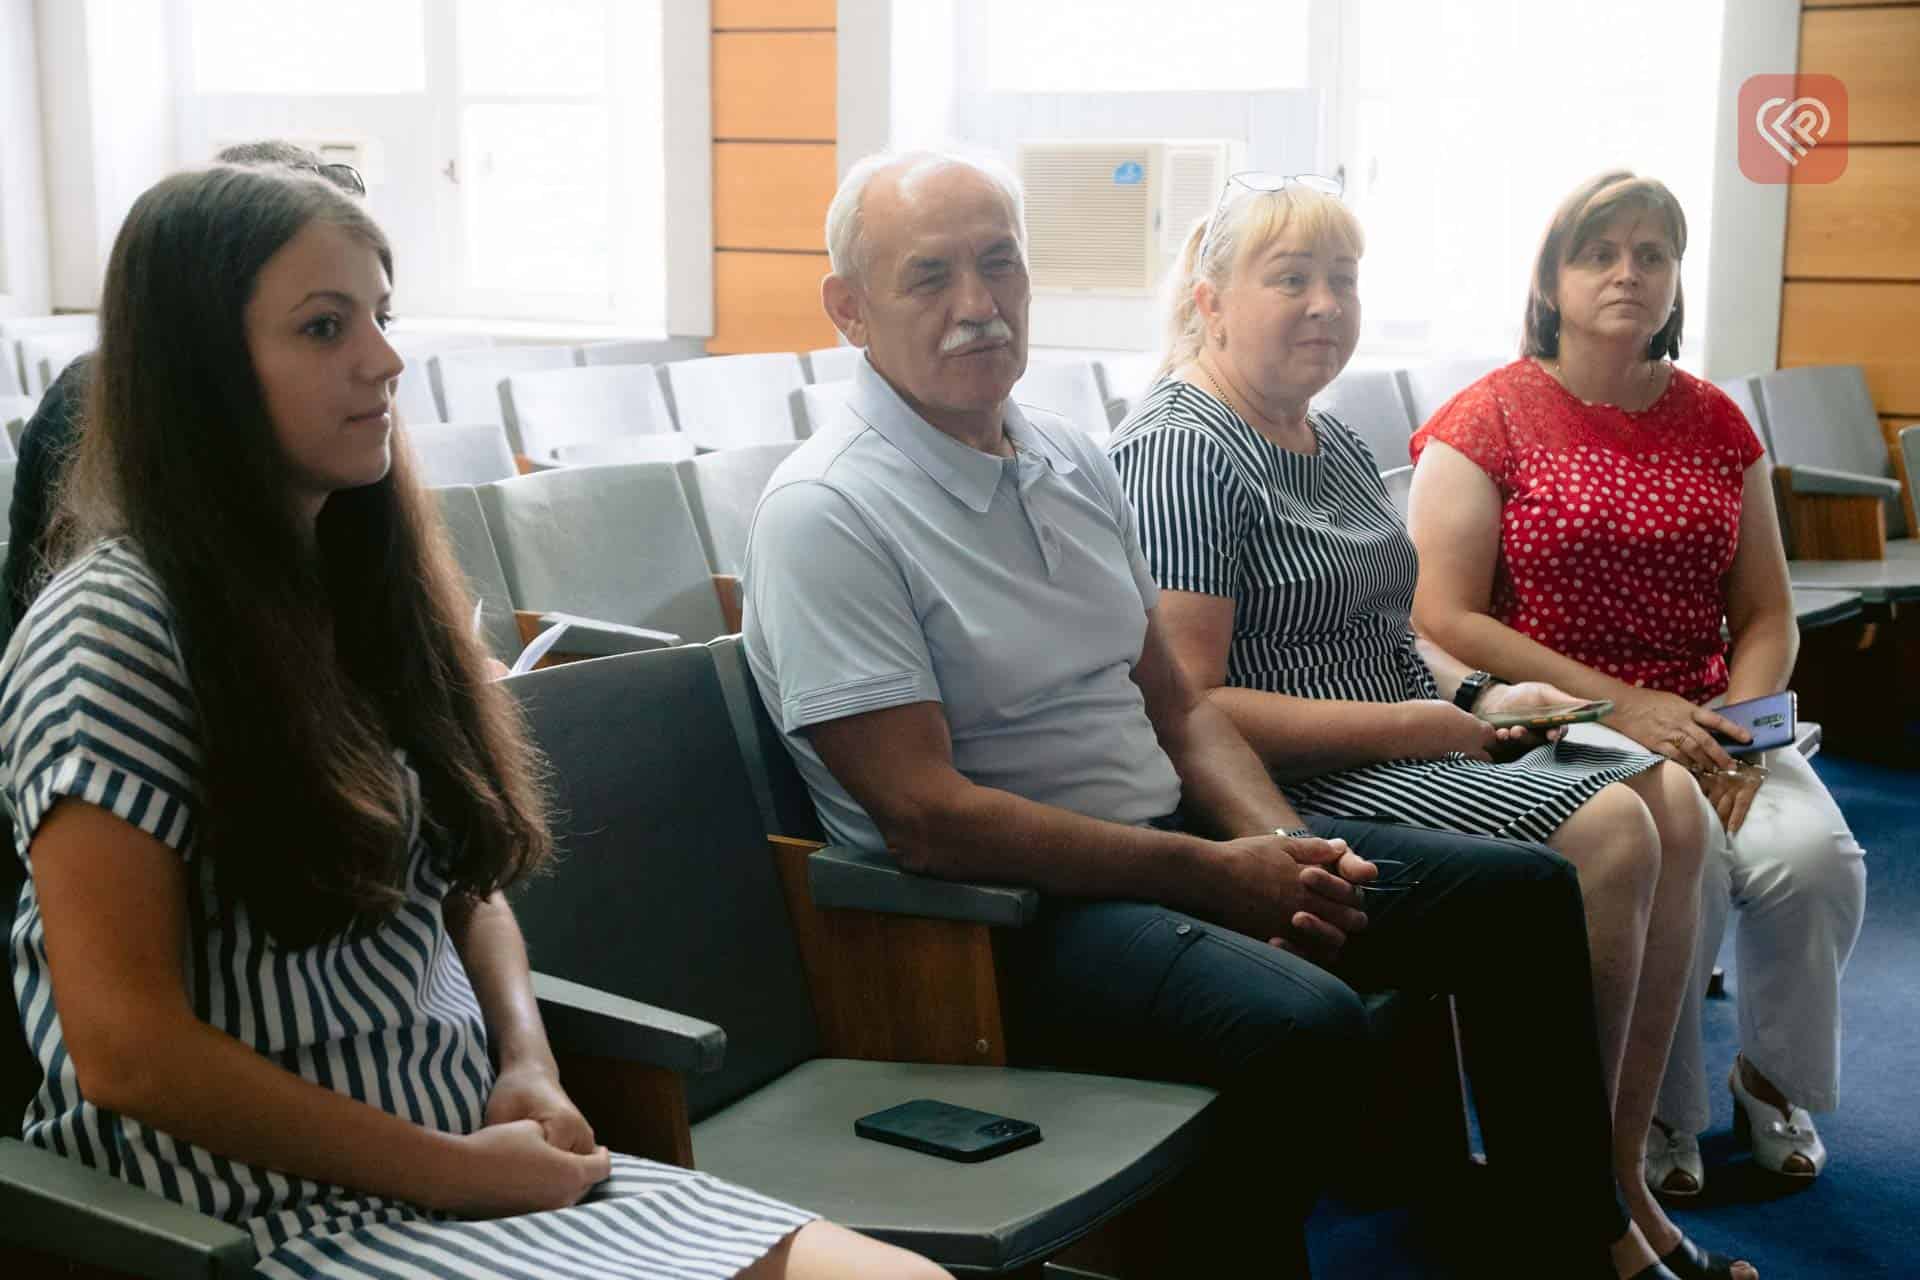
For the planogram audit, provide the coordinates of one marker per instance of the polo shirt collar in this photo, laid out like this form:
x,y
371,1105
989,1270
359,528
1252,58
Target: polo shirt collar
x,y
968,474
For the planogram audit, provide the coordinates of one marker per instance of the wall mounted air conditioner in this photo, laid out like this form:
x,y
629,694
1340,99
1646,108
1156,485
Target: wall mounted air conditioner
x,y
1108,217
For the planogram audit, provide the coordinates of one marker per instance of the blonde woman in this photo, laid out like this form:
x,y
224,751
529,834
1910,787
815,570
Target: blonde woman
x,y
1286,586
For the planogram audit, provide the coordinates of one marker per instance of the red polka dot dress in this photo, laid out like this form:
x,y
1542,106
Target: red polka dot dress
x,y
1617,529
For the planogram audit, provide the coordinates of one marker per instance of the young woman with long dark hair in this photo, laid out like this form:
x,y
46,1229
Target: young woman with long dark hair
x,y
268,800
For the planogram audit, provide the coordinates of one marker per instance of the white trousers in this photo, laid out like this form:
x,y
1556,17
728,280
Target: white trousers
x,y
1798,880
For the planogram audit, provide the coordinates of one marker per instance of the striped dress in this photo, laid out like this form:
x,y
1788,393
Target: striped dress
x,y
1321,572
94,706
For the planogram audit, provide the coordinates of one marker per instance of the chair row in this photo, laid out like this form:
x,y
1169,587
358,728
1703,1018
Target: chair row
x,y
733,1000
34,349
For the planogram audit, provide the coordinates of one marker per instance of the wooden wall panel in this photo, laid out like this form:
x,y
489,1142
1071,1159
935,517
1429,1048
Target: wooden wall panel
x,y
769,302
1871,325
1873,51
1849,4
775,15
772,195
1866,225
774,86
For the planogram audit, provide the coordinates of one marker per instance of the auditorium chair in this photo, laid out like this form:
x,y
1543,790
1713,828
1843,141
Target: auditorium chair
x,y
615,543
722,490
816,405
15,411
1066,386
460,453
724,401
668,892
468,383
1429,386
1372,403
45,353
551,410
1833,471
834,364
874,917
415,396
649,351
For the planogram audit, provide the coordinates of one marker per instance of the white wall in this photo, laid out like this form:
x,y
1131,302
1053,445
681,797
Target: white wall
x,y
25,280
1749,218
686,42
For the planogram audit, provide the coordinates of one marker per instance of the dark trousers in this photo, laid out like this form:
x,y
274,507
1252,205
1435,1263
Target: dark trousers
x,y
1145,990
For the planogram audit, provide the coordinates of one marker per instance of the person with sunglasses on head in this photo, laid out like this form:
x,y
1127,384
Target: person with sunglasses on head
x,y
949,618
1286,588
269,802
48,435
1594,516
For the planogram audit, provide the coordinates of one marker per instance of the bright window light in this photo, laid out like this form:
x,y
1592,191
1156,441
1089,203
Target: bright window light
x,y
1472,119
557,47
283,48
538,218
1146,46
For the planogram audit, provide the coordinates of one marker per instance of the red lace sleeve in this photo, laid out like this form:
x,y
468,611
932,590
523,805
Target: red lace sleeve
x,y
1473,423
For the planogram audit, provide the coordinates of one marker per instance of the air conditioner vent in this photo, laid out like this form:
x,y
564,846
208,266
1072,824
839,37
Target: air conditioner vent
x,y
1099,213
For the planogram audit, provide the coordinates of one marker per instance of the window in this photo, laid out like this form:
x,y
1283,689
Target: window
x,y
1461,125
514,152
1146,46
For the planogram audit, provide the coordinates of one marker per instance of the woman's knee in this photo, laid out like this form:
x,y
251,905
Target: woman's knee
x,y
1615,845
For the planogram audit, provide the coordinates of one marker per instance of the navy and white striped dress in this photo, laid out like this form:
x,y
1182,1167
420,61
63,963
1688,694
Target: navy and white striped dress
x,y
1321,572
94,706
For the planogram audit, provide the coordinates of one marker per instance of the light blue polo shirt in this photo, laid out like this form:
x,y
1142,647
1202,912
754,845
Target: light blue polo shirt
x,y
891,564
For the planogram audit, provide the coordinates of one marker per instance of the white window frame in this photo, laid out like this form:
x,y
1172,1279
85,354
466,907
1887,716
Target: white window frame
x,y
431,278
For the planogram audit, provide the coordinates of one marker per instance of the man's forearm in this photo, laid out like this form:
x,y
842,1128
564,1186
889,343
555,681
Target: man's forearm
x,y
1224,786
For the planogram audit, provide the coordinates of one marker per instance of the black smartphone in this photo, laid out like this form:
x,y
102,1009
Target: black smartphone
x,y
942,1129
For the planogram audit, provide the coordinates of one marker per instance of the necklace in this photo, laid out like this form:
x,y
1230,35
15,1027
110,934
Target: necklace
x,y
1218,394
1552,366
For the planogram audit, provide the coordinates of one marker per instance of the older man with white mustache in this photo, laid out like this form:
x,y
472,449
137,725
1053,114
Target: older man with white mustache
x,y
949,617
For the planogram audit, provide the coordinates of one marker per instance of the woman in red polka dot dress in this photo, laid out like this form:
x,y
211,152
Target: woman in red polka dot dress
x,y
1592,516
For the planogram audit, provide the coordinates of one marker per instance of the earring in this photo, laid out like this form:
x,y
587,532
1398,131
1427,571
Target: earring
x,y
1220,339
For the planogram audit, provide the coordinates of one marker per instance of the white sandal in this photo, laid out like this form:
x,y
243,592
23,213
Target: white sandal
x,y
1776,1138
1673,1166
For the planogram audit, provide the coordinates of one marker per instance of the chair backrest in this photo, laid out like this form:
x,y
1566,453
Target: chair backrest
x,y
461,452
13,382
667,446
1429,386
665,891
555,407
615,543
7,467
1372,403
1823,416
653,351
417,398
469,382
15,411
818,403
724,401
786,806
43,355
1399,482
480,561
834,364
723,489
1067,387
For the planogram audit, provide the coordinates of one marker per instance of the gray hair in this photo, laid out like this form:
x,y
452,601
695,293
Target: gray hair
x,y
846,229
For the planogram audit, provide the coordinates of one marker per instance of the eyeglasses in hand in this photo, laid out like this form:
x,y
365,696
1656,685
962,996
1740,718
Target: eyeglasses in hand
x,y
1393,879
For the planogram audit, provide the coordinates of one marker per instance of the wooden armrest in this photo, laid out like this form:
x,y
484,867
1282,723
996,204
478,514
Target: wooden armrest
x,y
727,587
893,988
1830,526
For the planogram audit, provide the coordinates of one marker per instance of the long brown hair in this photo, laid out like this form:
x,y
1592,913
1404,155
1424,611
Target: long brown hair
x,y
1579,218
311,658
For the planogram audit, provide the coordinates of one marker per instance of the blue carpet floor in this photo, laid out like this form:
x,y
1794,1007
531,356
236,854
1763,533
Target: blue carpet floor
x,y
1862,1217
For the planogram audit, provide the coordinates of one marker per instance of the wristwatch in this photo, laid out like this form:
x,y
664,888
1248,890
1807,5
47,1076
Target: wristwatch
x,y
1471,687
1295,833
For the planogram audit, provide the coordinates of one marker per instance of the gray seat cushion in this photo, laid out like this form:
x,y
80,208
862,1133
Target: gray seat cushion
x,y
1105,1142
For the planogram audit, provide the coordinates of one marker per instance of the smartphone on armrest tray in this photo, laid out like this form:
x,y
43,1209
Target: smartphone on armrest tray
x,y
942,1129
1773,721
